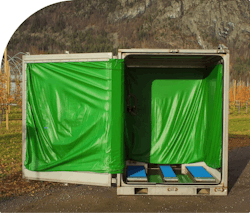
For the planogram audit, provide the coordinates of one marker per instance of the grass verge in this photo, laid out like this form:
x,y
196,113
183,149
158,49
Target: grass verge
x,y
239,124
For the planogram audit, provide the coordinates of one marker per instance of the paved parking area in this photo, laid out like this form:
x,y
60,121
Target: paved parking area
x,y
80,198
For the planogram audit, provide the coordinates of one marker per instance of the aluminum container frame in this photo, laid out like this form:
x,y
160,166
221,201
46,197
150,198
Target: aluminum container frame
x,y
189,189
106,179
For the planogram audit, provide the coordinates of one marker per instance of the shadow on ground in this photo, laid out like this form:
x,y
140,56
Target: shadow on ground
x,y
237,162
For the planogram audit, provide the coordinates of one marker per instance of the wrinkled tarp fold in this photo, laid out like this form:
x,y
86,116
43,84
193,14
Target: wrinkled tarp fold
x,y
179,118
187,120
75,116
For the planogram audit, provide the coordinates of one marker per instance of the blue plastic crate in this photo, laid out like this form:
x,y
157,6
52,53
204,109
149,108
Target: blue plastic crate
x,y
136,173
199,173
168,173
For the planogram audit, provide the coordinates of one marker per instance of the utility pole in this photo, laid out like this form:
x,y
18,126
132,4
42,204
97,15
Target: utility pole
x,y
6,67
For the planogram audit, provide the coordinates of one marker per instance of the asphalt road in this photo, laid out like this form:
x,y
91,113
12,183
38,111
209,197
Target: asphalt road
x,y
80,198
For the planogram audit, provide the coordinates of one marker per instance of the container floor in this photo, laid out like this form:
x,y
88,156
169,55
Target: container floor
x,y
154,176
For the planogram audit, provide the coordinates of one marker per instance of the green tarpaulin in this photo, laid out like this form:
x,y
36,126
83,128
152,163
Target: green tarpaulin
x,y
75,116
179,117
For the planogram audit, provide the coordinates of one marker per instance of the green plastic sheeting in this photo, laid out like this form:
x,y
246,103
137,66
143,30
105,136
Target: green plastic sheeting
x,y
75,116
179,116
184,178
187,120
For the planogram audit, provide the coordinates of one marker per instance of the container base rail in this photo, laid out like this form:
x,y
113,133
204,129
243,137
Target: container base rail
x,y
187,179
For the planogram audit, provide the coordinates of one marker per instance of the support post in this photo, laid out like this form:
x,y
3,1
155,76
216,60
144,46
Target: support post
x,y
8,72
6,68
234,85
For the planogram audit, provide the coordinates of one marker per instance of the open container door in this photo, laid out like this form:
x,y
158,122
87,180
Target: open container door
x,y
72,118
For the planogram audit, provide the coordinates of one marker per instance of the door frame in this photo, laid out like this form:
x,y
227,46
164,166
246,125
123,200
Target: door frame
x,y
225,55
89,178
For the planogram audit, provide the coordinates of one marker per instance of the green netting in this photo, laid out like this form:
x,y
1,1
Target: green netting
x,y
75,116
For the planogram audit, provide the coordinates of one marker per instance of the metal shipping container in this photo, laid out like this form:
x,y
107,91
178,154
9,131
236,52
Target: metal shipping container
x,y
132,120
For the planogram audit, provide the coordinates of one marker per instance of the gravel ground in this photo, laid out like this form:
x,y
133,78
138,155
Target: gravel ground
x,y
80,198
